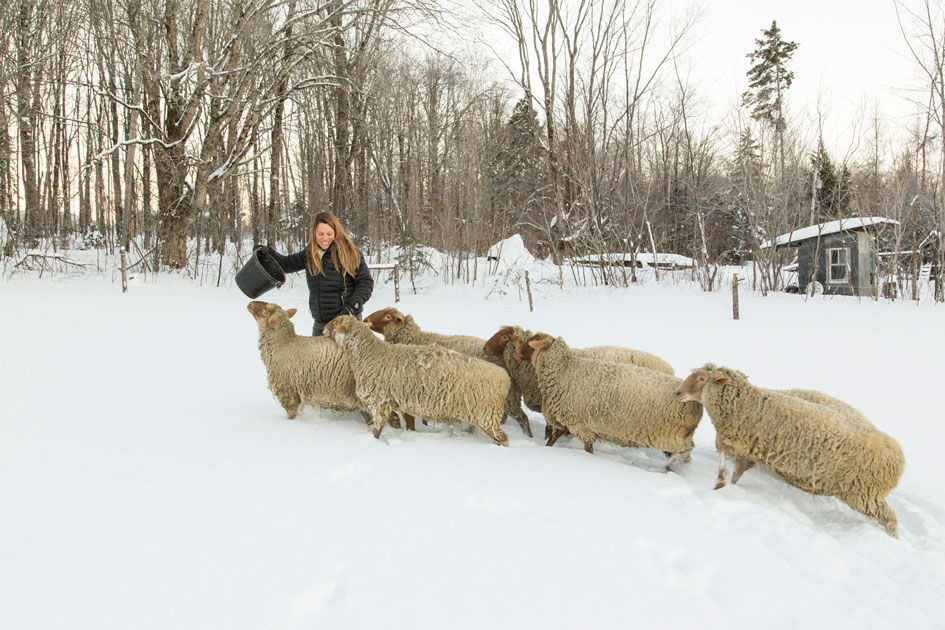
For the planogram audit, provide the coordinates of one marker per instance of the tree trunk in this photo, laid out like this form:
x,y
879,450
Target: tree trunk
x,y
27,118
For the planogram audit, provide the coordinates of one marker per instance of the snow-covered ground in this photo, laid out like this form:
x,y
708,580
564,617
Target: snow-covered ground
x,y
148,479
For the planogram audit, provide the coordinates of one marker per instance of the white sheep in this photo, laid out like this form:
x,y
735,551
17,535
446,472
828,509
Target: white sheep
x,y
811,446
302,369
624,404
504,343
422,380
810,395
402,329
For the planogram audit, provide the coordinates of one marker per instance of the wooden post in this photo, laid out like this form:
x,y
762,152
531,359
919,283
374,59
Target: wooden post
x,y
528,289
396,282
735,296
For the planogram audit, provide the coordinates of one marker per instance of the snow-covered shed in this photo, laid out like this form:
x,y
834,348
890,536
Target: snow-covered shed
x,y
837,257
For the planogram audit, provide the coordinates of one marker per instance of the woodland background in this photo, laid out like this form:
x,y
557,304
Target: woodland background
x,y
166,129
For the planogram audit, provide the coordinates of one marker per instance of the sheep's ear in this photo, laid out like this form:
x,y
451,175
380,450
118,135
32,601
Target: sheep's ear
x,y
721,380
516,342
273,321
291,312
538,344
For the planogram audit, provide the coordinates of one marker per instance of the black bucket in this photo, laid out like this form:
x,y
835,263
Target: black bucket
x,y
260,273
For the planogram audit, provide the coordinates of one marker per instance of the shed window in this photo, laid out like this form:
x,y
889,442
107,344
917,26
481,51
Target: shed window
x,y
838,265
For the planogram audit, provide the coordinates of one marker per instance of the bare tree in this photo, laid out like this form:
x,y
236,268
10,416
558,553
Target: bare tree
x,y
202,69
922,30
8,214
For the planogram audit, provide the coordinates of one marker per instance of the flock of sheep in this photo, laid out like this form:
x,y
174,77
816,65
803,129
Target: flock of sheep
x,y
628,397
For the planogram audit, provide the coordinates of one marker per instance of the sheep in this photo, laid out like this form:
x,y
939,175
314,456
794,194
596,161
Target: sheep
x,y
429,381
811,446
302,369
625,404
504,342
810,395
399,328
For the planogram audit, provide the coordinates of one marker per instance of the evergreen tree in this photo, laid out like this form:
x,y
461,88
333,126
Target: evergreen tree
x,y
516,170
768,80
831,188
740,216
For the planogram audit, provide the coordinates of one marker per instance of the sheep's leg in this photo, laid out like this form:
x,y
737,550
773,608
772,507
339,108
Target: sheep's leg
x,y
393,420
741,465
491,426
553,430
522,420
878,510
675,459
290,401
555,434
411,422
887,518
367,417
381,415
723,468
513,407
588,437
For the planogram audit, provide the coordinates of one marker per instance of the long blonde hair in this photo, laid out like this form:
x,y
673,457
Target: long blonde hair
x,y
344,248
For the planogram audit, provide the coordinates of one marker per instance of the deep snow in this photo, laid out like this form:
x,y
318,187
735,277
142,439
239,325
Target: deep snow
x,y
148,479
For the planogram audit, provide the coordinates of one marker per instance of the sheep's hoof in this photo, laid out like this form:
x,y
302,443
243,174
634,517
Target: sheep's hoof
x,y
720,484
589,447
377,433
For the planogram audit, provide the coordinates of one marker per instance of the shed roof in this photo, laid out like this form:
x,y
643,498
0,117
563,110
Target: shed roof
x,y
658,259
830,227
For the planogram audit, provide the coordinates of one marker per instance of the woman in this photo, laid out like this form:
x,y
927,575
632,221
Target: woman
x,y
339,282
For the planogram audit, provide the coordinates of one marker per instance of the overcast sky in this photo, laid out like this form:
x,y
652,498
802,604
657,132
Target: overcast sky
x,y
852,63
851,55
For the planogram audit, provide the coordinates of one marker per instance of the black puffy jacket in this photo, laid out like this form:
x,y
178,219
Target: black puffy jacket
x,y
331,292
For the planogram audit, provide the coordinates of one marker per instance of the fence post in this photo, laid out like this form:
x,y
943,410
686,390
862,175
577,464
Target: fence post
x,y
396,282
528,289
735,296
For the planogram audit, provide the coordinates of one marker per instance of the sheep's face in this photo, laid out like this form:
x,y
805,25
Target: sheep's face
x,y
530,350
495,345
691,388
269,315
380,320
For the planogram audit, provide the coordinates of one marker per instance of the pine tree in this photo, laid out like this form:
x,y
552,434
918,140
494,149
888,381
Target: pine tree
x,y
831,189
516,169
740,218
768,80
